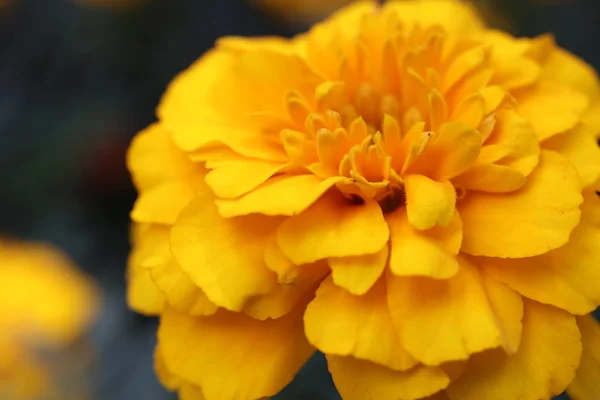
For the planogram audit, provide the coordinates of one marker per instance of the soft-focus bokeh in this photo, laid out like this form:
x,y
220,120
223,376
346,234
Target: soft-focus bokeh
x,y
78,78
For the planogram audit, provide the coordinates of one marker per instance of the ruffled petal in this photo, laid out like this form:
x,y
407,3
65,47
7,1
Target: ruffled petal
x,y
162,204
360,380
236,178
339,323
580,147
333,228
286,195
459,307
259,80
543,367
153,159
586,384
430,253
568,277
552,108
537,218
357,274
223,256
178,288
142,294
284,297
429,203
232,356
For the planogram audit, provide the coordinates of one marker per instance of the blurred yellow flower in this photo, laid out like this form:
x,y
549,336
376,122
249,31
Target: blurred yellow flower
x,y
408,192
301,9
45,305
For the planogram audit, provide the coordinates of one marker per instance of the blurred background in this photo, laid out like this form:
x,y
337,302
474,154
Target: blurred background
x,y
78,78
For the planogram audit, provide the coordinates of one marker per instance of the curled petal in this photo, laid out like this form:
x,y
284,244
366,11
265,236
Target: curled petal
x,y
338,322
359,380
543,366
430,253
459,307
202,243
254,358
537,218
568,277
333,228
585,384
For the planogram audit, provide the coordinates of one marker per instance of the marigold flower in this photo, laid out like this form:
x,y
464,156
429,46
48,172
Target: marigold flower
x,y
301,9
402,189
45,304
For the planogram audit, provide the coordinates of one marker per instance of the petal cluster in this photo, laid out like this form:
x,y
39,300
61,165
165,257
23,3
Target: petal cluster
x,y
400,188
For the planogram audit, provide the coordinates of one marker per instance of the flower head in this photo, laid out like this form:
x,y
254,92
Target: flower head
x,y
400,188
45,306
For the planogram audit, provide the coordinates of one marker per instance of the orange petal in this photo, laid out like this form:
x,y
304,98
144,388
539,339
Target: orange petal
x,y
333,228
178,288
284,297
286,195
430,253
567,277
162,204
153,159
580,147
337,322
429,203
223,256
459,307
537,218
232,356
552,108
585,384
360,380
236,178
358,274
543,367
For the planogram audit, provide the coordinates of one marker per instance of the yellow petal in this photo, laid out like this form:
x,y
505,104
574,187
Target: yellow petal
x,y
232,356
537,218
162,204
567,277
422,308
552,108
337,322
586,384
470,111
513,143
429,253
491,178
580,147
142,294
333,228
191,392
284,297
198,107
178,288
429,203
452,151
277,262
154,160
566,68
236,178
357,274
360,380
507,305
223,256
543,367
286,195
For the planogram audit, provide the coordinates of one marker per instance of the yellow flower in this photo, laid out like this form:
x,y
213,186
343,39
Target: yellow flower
x,y
400,188
44,305
301,9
